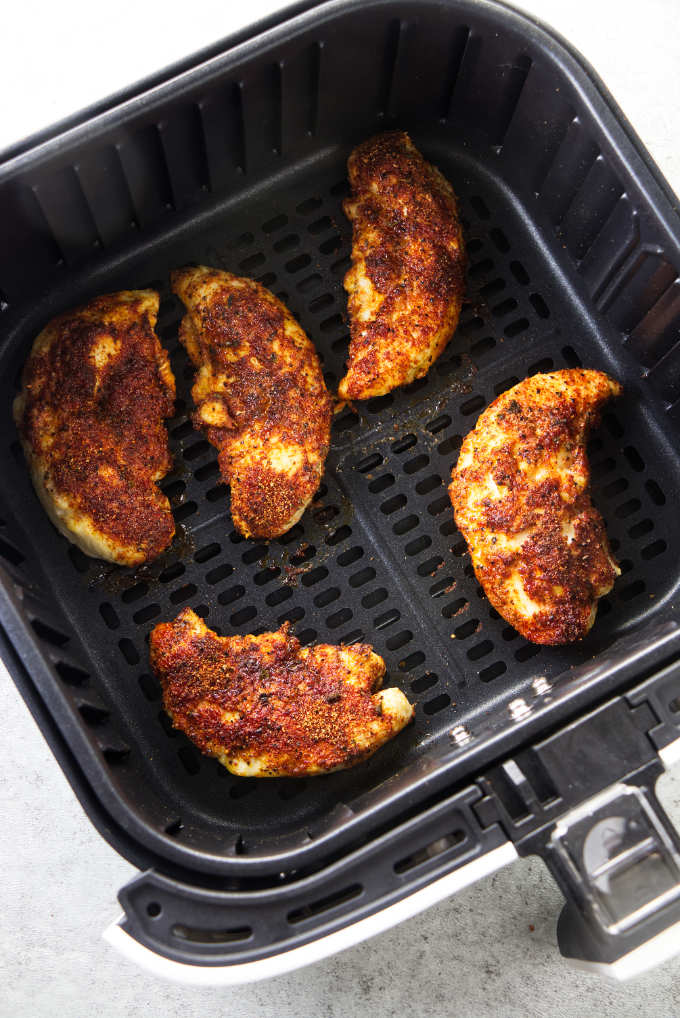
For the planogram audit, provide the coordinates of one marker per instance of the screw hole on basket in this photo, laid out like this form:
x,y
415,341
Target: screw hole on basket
x,y
404,443
331,245
374,598
150,687
252,262
108,613
363,576
571,357
278,596
189,759
526,652
515,328
232,594
153,909
307,636
424,682
339,618
254,554
414,660
391,505
133,594
327,597
301,261
419,544
219,573
654,549
438,424
546,364
479,268
628,508
320,225
345,423
277,223
470,406
183,593
208,552
539,305
388,618
655,493
615,487
78,558
207,472
492,288
341,534
480,650
243,615
504,308
399,640
428,484
377,404
174,828
321,302
184,511
287,243
430,566
493,671
632,590
129,651
266,575
436,704
404,525
71,674
309,282
48,633
482,347
506,384
499,239
674,705
172,572
146,614
412,466
292,616
308,205
314,576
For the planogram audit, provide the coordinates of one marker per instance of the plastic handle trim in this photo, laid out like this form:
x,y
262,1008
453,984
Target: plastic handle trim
x,y
297,957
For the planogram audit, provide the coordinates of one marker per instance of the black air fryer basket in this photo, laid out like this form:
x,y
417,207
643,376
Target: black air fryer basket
x,y
237,159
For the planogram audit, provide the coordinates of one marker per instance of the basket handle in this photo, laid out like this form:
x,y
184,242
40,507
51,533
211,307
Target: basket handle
x,y
584,801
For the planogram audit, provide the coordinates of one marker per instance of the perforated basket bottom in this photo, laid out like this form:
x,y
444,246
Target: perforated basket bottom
x,y
377,557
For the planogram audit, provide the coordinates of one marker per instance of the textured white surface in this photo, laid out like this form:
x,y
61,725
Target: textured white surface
x,y
491,950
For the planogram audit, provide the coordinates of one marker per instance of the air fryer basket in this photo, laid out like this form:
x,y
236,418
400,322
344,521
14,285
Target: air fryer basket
x,y
239,162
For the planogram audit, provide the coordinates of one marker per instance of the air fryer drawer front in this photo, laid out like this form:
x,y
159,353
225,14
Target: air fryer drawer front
x,y
583,799
240,161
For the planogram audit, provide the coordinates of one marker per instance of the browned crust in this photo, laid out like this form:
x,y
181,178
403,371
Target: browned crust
x,y
94,436
544,420
263,374
407,240
295,706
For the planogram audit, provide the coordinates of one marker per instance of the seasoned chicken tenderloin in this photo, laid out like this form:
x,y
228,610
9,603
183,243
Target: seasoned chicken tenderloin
x,y
260,397
267,707
521,501
96,388
406,283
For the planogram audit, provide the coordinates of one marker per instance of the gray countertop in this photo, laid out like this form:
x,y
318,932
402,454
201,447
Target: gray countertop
x,y
491,950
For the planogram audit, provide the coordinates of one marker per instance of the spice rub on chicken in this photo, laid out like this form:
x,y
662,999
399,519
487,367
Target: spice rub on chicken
x,y
266,706
96,388
521,500
260,397
405,286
